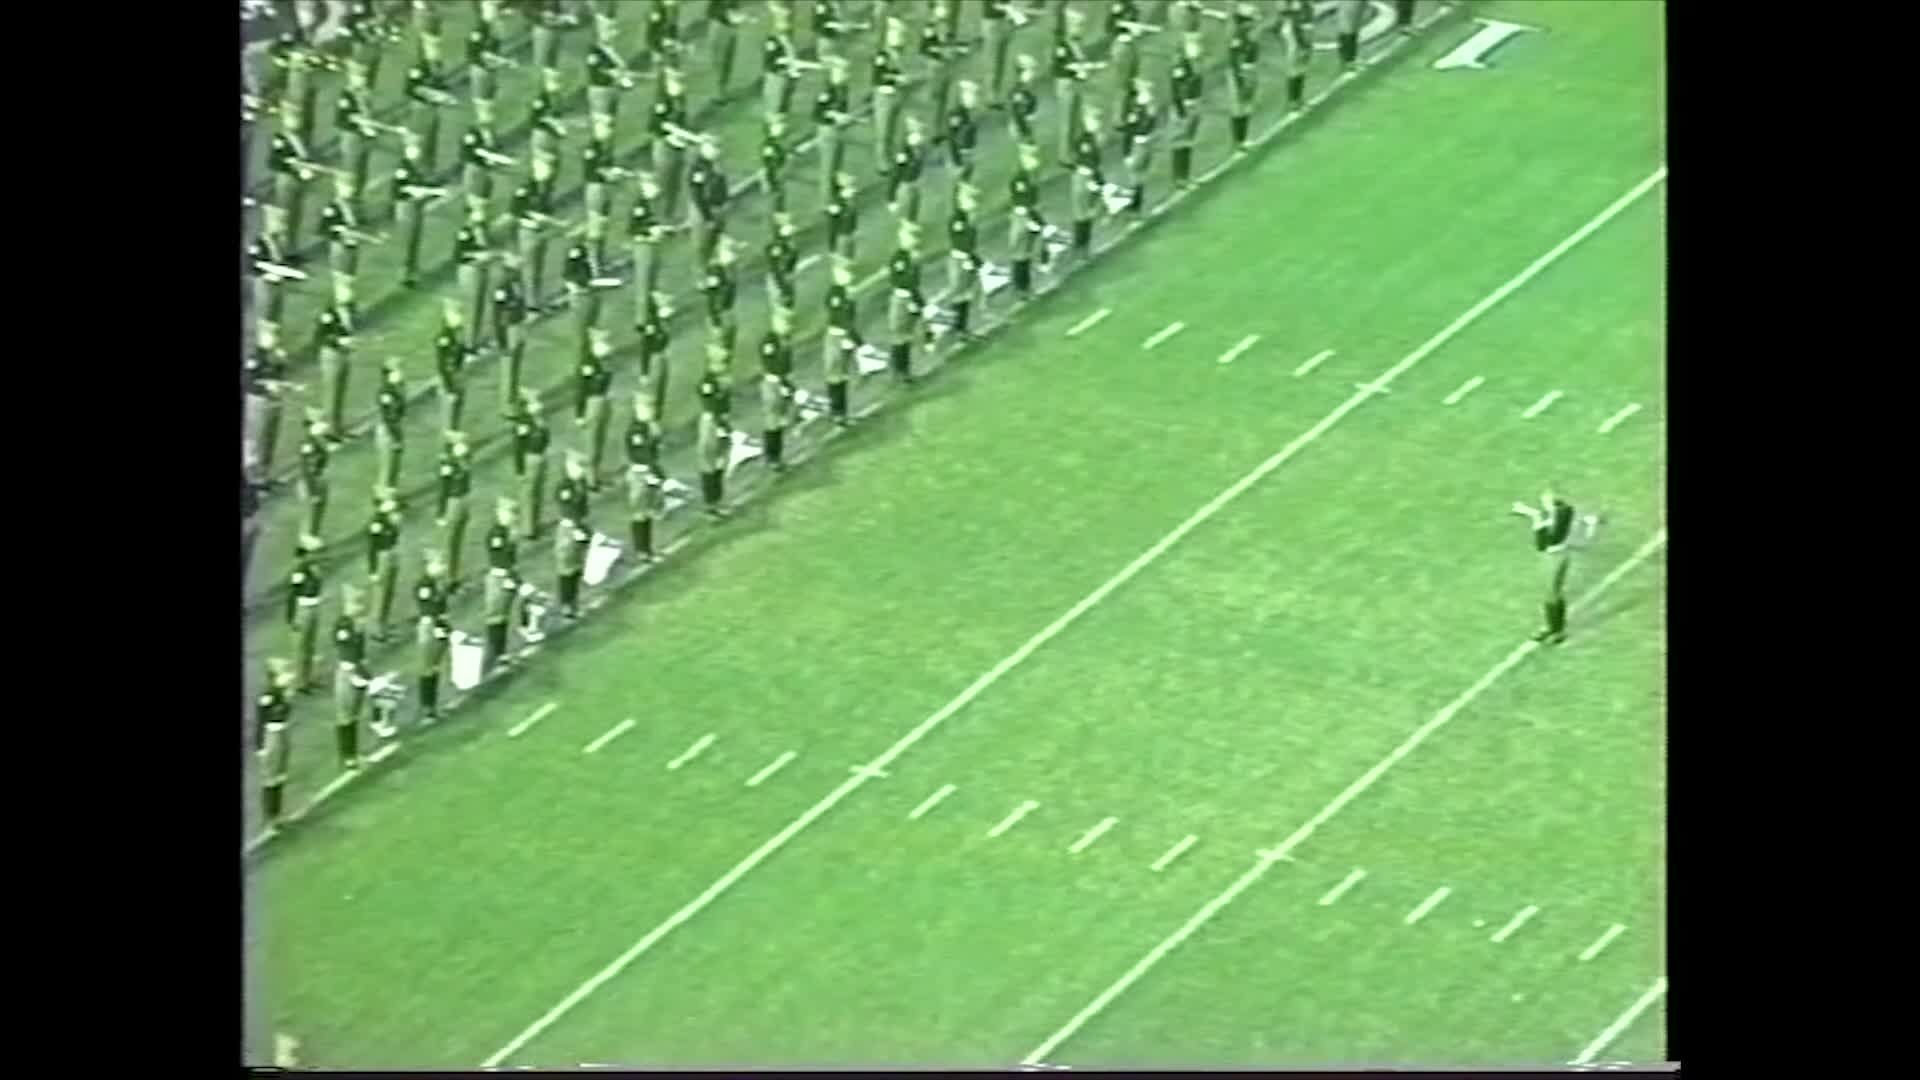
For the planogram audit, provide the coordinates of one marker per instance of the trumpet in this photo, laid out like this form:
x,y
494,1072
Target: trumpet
x,y
355,236
279,272
1139,29
542,221
493,157
423,192
680,136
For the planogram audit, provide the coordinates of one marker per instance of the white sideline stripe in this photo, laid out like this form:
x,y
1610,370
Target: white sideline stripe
x,y
1013,819
619,729
1427,905
539,714
1313,361
1172,329
1018,656
931,801
1540,406
778,764
1605,1038
693,751
1602,942
1340,890
1232,354
334,785
1353,791
1515,923
1466,388
1615,420
1093,834
332,788
1088,323
1173,853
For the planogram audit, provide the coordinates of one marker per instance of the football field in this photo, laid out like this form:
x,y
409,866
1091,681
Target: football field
x,y
1153,688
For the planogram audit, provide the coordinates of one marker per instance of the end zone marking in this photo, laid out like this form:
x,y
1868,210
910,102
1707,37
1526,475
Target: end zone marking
x,y
1173,853
693,751
539,714
1614,1029
618,730
1426,905
1540,406
1466,388
1340,890
1013,819
1312,362
1232,354
1088,323
1515,923
1093,834
1615,420
1602,942
931,801
1172,329
778,764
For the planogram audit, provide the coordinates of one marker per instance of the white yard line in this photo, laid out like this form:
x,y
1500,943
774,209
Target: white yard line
x,y
1233,354
692,751
1348,882
1013,819
1602,942
1515,923
619,729
539,714
1093,834
1088,323
1173,853
1426,905
1312,362
1605,1038
1300,835
1538,407
1172,329
779,763
1616,419
1466,388
932,801
906,742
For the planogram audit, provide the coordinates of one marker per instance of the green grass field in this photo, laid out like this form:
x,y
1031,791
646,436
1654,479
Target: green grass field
x,y
1040,588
